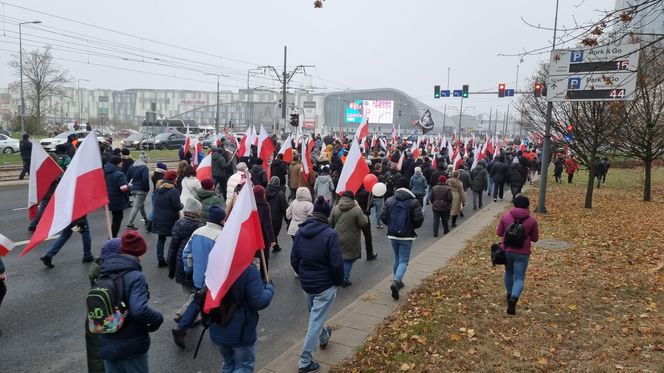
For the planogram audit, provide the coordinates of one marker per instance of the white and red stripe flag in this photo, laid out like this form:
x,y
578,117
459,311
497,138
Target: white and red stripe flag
x,y
81,190
265,148
6,245
234,248
187,141
400,162
287,149
354,171
415,148
43,172
204,170
362,130
306,162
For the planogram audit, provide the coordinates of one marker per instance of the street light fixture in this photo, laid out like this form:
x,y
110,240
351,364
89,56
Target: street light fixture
x,y
20,58
78,90
216,120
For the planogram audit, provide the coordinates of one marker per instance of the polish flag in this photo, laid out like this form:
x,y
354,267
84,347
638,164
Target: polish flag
x,y
354,171
197,151
443,142
230,137
306,156
394,135
81,190
362,130
244,148
6,245
265,147
403,155
43,172
234,248
287,149
434,164
187,142
457,158
204,170
415,148
383,144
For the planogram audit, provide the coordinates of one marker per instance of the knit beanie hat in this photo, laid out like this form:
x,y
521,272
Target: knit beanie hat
x,y
442,179
259,191
170,175
207,184
402,183
216,214
241,166
111,247
418,169
521,201
115,160
274,180
132,243
193,206
321,206
349,194
117,151
162,165
125,151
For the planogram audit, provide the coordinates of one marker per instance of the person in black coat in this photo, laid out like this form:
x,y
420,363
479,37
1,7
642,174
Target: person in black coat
x,y
363,199
166,211
276,198
180,234
118,192
127,160
515,177
499,174
279,168
266,226
25,147
258,174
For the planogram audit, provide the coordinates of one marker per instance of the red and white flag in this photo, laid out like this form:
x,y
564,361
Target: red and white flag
x,y
354,171
197,150
43,172
383,144
287,149
204,170
230,137
400,162
245,147
6,245
457,160
81,190
415,148
234,248
394,135
362,130
265,147
306,156
187,141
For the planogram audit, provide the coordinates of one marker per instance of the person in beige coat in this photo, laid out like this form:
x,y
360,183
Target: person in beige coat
x,y
299,209
294,170
458,196
348,219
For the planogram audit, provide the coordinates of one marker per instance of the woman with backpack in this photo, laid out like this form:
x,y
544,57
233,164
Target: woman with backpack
x,y
418,185
518,230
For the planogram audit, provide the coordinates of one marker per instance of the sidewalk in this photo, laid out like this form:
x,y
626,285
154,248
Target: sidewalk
x,y
353,324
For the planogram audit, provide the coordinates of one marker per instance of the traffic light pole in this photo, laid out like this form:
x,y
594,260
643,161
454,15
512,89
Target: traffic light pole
x,y
546,151
460,117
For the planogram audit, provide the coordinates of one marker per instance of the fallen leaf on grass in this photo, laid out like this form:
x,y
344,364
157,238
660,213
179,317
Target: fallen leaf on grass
x,y
516,354
404,367
455,337
572,307
542,361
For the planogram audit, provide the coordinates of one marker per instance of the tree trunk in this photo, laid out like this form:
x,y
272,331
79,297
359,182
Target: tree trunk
x,y
590,188
648,181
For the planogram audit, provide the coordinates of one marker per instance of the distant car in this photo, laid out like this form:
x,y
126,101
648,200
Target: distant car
x,y
49,144
126,133
133,141
164,141
8,144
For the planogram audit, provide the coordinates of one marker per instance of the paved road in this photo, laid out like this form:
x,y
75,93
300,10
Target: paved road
x,y
43,313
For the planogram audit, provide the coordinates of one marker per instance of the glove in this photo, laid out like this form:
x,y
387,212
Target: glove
x,y
154,327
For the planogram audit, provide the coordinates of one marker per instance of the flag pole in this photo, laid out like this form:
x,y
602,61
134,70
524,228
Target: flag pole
x,y
264,265
107,213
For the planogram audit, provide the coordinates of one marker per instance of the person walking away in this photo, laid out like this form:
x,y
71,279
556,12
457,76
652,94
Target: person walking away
x,y
516,247
323,185
258,174
219,169
571,167
279,168
25,148
418,185
441,203
515,177
458,196
534,166
489,166
265,218
478,183
139,179
127,160
316,257
299,209
598,172
194,259
607,165
402,215
558,165
158,174
190,185
391,181
234,180
365,201
127,349
464,176
276,198
166,211
499,175
378,202
294,170
207,197
348,220
118,192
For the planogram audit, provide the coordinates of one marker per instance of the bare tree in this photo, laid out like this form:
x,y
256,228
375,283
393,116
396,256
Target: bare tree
x,y
43,78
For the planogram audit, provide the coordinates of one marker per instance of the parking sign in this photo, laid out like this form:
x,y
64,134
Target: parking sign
x,y
576,56
574,83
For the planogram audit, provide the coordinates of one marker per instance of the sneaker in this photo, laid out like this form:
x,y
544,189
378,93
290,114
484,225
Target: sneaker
x,y
372,257
346,284
329,334
395,290
495,200
312,367
88,259
380,226
47,261
276,249
162,264
178,337
132,227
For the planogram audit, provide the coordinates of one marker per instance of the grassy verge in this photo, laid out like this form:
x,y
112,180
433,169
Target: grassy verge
x,y
155,156
596,307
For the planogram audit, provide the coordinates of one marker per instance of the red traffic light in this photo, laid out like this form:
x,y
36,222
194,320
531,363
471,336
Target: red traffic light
x,y
538,86
501,90
501,87
538,89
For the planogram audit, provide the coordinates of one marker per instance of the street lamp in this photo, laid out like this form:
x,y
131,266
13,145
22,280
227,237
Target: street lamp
x,y
216,119
20,58
78,90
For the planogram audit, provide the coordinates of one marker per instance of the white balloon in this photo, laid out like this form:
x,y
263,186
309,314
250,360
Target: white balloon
x,y
379,190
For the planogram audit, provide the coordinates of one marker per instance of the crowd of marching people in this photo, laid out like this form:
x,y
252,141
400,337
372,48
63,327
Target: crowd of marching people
x,y
294,191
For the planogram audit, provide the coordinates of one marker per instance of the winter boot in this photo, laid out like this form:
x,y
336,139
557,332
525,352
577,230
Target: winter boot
x,y
511,305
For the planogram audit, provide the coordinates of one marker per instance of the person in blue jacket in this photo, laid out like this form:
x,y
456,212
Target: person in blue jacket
x,y
316,258
127,349
118,192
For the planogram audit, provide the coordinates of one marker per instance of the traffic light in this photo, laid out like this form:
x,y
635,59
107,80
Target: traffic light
x,y
570,128
501,90
464,91
538,89
295,120
436,91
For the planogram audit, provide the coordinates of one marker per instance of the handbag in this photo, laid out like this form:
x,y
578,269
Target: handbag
x,y
497,255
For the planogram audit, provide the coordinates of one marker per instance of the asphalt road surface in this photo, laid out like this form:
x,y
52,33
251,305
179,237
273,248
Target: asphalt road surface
x,y
42,316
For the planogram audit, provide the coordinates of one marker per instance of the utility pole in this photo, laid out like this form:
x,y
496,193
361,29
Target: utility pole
x,y
284,81
80,104
460,117
541,198
216,119
490,115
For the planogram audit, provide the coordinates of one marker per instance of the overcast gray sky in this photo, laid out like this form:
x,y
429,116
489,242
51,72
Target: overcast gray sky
x,y
407,45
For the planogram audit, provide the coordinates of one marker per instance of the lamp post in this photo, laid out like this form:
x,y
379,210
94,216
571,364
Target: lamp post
x,y
78,90
20,58
216,119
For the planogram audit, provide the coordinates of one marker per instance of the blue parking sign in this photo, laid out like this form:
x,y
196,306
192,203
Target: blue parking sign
x,y
576,56
574,83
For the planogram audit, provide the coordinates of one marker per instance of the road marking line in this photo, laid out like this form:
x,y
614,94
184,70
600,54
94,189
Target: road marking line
x,y
20,208
21,243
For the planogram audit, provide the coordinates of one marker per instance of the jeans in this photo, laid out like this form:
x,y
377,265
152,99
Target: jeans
x,y
161,242
238,359
189,315
116,221
319,306
439,216
138,364
348,266
515,273
490,188
139,205
25,170
368,242
477,200
66,234
401,250
378,209
498,190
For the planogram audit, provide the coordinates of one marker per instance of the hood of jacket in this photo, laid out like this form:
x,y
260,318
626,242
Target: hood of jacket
x,y
119,263
303,194
403,194
164,187
109,168
315,224
519,213
271,192
346,203
203,194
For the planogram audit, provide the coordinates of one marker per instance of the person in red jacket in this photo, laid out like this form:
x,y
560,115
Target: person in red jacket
x,y
516,258
571,166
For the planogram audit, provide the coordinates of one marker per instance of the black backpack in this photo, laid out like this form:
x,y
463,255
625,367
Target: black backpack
x,y
107,310
221,315
515,235
398,223
390,185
